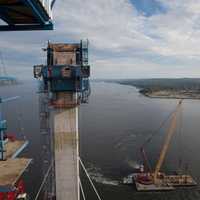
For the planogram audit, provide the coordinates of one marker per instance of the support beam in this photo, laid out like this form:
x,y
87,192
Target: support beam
x,y
26,15
26,27
38,11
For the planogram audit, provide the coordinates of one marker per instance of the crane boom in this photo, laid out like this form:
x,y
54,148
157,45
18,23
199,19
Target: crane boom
x,y
165,147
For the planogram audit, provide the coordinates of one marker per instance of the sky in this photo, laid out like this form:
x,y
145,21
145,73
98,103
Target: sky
x,y
128,38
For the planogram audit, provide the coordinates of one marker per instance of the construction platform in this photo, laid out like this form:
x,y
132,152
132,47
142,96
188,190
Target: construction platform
x,y
11,171
14,148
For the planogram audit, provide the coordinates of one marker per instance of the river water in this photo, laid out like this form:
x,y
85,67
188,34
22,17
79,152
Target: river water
x,y
113,126
117,121
22,116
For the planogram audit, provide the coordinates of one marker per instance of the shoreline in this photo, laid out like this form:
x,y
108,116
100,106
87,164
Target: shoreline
x,y
169,96
191,94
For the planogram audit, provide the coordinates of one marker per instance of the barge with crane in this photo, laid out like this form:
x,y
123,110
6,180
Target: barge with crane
x,y
155,180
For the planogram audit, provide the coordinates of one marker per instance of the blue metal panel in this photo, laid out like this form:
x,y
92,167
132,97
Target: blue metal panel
x,y
76,82
63,85
38,11
5,189
55,72
60,82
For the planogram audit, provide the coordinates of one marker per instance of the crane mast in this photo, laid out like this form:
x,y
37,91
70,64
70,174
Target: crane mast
x,y
165,147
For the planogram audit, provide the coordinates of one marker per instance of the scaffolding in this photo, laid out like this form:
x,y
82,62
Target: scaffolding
x,y
48,188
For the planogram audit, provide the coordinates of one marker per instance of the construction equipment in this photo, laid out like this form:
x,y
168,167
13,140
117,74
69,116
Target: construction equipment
x,y
18,15
154,180
165,147
26,15
66,74
11,167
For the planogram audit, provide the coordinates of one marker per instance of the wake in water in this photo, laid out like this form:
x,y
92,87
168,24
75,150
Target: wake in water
x,y
133,164
97,175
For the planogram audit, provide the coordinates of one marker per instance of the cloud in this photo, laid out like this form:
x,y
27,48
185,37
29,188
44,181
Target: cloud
x,y
123,41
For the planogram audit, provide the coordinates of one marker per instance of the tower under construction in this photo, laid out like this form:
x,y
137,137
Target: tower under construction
x,y
64,86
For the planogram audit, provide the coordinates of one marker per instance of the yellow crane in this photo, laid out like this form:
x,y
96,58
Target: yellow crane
x,y
155,180
168,139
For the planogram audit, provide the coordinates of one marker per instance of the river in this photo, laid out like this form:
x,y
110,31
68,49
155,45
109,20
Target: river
x,y
113,125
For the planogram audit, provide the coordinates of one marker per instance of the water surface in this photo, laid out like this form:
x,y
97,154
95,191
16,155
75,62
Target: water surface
x,y
113,126
117,121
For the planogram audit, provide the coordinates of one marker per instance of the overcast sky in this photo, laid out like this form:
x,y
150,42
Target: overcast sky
x,y
128,38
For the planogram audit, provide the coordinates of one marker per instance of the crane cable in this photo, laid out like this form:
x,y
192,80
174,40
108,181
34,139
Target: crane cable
x,y
180,150
90,180
154,133
158,130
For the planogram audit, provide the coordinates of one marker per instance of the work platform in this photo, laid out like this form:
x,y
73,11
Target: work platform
x,y
11,171
22,15
11,167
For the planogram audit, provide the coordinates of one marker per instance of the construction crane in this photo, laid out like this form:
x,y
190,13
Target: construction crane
x,y
154,180
168,139
26,15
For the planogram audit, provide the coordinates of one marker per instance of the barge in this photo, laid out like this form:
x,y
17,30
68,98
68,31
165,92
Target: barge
x,y
155,180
